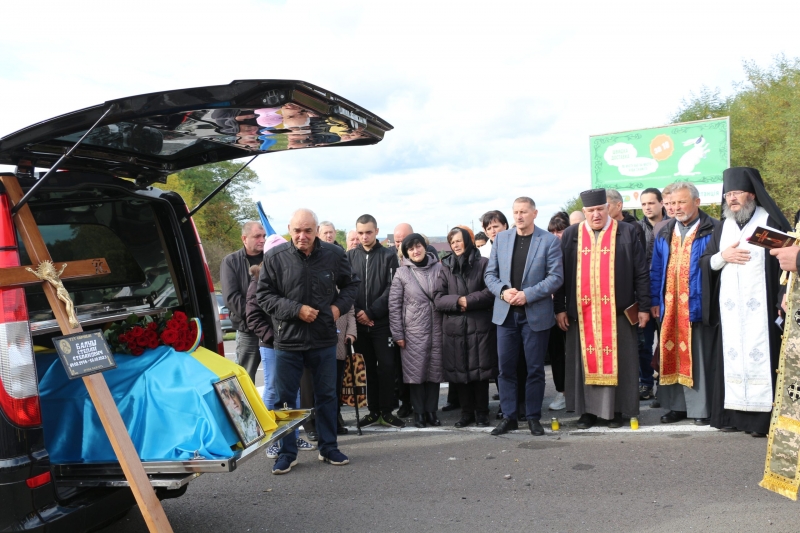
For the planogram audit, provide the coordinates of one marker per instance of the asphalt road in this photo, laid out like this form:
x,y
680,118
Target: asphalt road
x,y
659,478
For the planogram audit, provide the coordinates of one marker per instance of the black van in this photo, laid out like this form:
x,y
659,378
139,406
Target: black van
x,y
102,202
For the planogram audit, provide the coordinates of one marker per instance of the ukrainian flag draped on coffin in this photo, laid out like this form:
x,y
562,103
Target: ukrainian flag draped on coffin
x,y
167,401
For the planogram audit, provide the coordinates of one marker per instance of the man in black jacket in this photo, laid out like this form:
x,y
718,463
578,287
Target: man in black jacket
x,y
297,289
234,273
375,265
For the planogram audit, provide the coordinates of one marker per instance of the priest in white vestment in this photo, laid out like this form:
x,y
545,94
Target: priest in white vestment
x,y
744,283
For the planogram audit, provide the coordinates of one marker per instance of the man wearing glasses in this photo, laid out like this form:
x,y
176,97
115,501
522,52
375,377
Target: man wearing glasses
x,y
744,280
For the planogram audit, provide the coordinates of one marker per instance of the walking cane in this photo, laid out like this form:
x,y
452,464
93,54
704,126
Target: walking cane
x,y
353,375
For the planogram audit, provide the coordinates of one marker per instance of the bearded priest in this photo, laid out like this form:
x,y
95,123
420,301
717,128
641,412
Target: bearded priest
x,y
605,274
676,291
744,282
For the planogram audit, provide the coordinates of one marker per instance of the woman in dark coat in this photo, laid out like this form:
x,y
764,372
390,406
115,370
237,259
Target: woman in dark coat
x,y
417,327
469,339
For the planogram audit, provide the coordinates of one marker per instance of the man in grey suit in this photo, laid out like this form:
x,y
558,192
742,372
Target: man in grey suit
x,y
525,269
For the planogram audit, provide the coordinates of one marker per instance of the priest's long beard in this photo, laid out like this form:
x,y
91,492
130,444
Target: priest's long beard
x,y
743,215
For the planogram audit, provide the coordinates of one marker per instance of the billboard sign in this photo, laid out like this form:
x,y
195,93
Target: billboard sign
x,y
632,161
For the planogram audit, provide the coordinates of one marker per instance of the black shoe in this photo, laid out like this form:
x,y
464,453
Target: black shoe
x,y
369,420
673,416
729,429
433,419
505,426
482,421
390,420
341,430
419,420
646,393
702,421
450,407
464,421
405,411
758,435
655,405
615,422
312,436
495,396
586,421
536,428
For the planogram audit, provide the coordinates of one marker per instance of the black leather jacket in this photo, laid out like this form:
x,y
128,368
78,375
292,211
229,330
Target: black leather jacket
x,y
376,268
289,279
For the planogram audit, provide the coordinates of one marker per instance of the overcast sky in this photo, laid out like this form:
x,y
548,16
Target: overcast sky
x,y
489,100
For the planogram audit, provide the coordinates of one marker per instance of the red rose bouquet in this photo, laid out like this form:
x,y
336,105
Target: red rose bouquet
x,y
134,335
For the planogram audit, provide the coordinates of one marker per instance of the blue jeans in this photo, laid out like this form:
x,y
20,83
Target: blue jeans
x,y
646,337
288,371
268,366
516,332
270,397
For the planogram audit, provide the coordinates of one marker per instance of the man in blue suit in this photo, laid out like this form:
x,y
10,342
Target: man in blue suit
x,y
525,269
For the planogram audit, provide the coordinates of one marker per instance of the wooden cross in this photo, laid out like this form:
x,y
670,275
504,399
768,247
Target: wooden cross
x,y
101,397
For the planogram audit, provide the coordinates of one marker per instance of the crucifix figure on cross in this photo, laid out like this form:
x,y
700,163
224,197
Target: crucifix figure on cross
x,y
64,312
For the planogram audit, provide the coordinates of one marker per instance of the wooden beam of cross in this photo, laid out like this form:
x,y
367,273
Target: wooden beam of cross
x,y
101,397
20,276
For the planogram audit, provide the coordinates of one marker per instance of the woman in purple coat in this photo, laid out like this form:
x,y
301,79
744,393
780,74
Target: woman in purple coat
x,y
417,327
469,339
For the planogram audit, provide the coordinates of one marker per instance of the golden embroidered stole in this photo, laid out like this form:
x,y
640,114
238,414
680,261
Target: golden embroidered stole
x,y
597,308
676,329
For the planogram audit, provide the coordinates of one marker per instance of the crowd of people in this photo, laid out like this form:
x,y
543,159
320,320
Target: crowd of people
x,y
679,308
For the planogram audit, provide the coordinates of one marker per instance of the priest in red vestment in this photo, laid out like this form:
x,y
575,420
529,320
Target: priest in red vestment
x,y
605,273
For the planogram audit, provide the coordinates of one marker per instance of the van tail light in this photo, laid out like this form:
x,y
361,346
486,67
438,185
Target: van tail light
x,y
19,388
38,481
217,325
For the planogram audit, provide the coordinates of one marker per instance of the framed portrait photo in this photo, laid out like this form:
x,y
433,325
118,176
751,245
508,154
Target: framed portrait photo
x,y
239,411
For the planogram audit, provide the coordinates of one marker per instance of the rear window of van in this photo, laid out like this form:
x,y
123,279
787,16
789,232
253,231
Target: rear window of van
x,y
123,231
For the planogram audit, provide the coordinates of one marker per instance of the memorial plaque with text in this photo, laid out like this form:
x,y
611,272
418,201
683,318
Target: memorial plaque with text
x,y
84,353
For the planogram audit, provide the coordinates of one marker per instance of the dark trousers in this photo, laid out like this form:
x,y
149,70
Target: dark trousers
x,y
522,377
248,355
403,392
339,386
452,394
646,337
424,397
556,347
376,346
516,332
474,398
307,399
289,367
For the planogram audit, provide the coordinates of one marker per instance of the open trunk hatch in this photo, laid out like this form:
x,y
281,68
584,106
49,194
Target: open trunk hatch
x,y
150,136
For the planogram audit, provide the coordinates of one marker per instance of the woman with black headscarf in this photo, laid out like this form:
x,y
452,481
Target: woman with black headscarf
x,y
417,327
469,340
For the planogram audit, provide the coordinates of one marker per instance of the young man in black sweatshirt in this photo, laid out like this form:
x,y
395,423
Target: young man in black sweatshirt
x,y
375,265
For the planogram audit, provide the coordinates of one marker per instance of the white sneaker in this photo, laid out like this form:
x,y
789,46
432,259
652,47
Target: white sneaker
x,y
559,402
273,451
304,445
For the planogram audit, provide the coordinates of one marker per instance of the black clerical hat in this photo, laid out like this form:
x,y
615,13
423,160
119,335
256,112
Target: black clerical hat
x,y
749,180
594,197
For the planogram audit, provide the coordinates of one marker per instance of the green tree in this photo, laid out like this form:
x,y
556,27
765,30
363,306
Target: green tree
x,y
708,104
573,204
765,125
221,219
